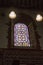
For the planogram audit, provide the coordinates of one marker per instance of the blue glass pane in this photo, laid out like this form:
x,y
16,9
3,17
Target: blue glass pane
x,y
21,35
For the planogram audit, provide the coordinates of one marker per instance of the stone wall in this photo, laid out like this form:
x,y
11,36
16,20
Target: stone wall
x,y
22,56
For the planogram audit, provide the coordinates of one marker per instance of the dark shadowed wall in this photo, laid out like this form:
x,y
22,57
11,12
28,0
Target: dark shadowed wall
x,y
4,28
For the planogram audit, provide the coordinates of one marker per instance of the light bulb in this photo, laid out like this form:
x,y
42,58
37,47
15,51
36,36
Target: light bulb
x,y
39,17
12,15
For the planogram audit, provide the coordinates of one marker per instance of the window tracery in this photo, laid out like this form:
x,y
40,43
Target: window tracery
x,y
21,35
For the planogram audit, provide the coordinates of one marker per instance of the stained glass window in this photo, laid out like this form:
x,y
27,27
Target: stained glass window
x,y
21,35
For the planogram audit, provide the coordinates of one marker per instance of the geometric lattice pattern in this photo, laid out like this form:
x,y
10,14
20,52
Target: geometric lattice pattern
x,y
21,35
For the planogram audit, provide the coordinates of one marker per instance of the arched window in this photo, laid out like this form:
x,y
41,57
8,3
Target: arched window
x,y
21,35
